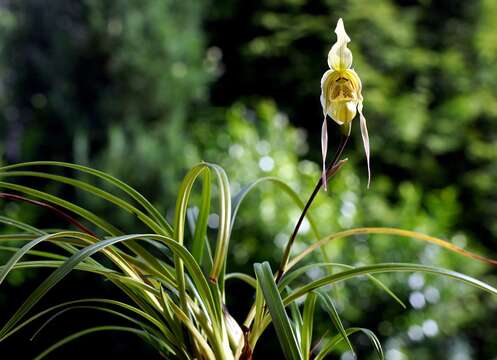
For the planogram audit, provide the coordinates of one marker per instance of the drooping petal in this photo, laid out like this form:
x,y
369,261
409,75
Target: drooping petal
x,y
365,138
340,57
324,150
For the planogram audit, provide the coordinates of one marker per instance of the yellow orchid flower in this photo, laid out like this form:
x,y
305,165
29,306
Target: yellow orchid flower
x,y
341,96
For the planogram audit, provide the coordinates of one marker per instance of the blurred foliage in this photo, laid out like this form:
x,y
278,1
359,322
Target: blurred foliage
x,y
106,79
429,85
128,87
261,142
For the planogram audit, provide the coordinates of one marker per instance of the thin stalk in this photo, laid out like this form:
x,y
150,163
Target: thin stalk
x,y
330,171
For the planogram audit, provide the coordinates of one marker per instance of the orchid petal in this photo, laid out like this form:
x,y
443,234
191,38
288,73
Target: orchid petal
x,y
365,138
340,57
324,149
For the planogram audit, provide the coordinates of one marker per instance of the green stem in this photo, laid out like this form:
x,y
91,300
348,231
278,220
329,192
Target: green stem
x,y
331,170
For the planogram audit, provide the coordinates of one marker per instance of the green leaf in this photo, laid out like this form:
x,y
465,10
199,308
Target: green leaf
x,y
87,332
257,312
199,237
242,276
308,322
281,322
21,225
88,215
389,231
122,305
294,274
204,346
384,268
44,254
297,321
73,261
223,234
141,324
21,252
328,346
242,194
179,227
94,191
330,308
106,177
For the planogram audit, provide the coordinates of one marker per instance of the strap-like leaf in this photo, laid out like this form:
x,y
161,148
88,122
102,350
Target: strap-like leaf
x,y
330,308
240,197
308,322
84,213
94,191
87,332
199,236
106,177
291,276
394,232
329,345
385,268
77,258
281,322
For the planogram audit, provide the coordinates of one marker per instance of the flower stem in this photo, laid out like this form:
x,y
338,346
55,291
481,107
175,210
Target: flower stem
x,y
331,170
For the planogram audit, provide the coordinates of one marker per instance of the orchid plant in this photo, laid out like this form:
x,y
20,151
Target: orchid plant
x,y
177,299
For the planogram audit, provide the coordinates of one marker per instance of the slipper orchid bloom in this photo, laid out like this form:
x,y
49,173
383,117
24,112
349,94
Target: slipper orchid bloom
x,y
341,96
